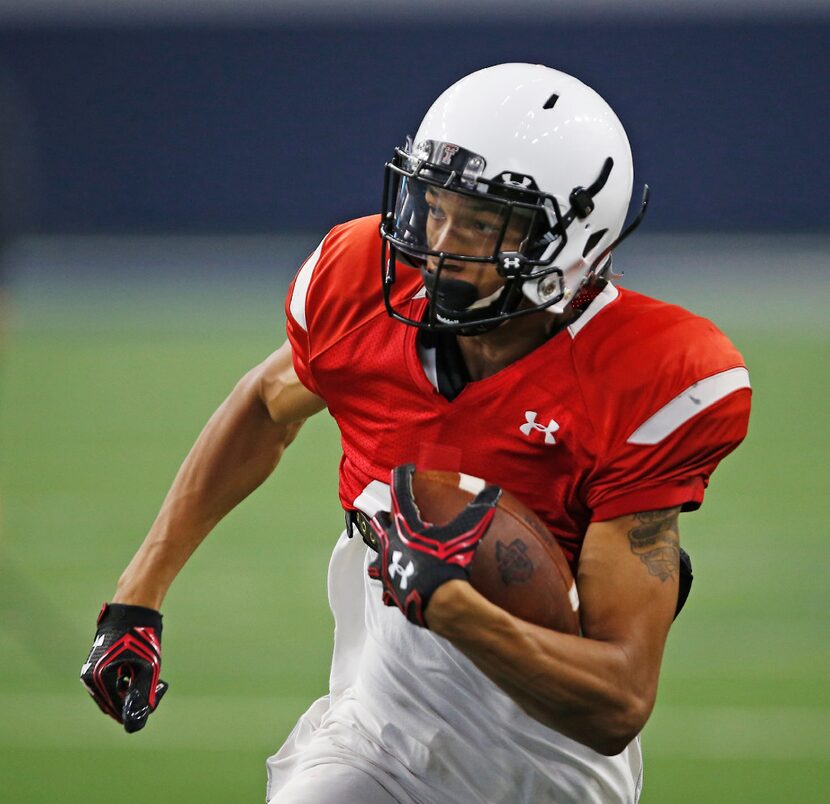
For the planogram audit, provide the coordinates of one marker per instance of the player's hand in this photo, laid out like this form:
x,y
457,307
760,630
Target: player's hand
x,y
122,670
414,557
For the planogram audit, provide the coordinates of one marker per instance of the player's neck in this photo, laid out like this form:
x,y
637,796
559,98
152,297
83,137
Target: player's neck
x,y
490,352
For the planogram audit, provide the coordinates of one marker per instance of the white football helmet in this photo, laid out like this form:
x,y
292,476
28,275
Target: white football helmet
x,y
537,146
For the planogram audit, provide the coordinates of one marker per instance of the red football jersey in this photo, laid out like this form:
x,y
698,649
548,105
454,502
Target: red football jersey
x,y
629,409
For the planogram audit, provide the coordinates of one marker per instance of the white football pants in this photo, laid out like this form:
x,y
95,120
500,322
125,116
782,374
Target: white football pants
x,y
322,784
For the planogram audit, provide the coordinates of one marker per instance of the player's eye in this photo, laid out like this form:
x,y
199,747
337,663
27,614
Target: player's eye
x,y
486,227
435,210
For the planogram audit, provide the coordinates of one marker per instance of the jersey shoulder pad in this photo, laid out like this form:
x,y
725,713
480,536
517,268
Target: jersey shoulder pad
x,y
668,396
638,354
341,276
339,286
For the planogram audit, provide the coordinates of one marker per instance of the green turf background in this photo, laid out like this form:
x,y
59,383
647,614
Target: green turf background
x,y
103,387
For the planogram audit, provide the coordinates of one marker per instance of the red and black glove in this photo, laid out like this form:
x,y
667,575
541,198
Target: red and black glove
x,y
415,557
122,670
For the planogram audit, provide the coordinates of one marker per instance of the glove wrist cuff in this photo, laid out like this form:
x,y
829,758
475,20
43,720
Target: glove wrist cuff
x,y
129,616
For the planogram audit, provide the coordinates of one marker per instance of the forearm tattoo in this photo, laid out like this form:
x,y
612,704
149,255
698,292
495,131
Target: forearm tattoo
x,y
656,540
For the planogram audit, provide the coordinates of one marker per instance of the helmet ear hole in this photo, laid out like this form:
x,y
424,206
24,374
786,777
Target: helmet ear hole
x,y
592,241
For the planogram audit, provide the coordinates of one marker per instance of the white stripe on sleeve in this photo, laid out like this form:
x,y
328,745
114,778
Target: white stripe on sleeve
x,y
297,304
693,400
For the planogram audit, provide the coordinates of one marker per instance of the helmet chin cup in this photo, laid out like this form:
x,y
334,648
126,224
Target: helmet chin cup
x,y
451,295
454,304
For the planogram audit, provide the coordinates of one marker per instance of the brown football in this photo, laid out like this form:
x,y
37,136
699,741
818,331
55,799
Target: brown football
x,y
518,565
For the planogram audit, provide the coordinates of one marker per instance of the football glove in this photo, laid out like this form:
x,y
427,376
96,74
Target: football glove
x,y
122,670
414,557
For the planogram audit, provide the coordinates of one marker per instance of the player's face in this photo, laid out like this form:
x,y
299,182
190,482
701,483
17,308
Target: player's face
x,y
463,225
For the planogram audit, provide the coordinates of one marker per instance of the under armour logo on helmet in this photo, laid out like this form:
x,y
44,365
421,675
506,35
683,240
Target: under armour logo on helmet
x,y
517,180
395,569
511,263
531,425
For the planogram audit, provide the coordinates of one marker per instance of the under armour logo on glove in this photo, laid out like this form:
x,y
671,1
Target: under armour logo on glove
x,y
395,568
416,557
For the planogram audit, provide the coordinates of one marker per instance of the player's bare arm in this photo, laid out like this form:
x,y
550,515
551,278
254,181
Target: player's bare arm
x,y
600,688
236,451
238,448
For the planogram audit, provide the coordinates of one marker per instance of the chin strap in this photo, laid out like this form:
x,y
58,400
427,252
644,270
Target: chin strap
x,y
625,232
585,297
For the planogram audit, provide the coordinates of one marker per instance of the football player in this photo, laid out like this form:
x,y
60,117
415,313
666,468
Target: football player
x,y
494,343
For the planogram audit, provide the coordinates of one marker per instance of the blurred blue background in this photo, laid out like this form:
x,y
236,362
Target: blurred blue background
x,y
259,117
165,165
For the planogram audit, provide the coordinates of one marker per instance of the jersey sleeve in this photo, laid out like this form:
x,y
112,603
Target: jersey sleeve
x,y
336,289
297,319
668,458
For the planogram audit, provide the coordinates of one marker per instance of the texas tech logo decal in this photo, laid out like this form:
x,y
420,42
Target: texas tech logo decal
x,y
448,152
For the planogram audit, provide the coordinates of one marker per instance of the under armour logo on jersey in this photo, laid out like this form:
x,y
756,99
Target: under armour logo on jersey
x,y
531,424
396,569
